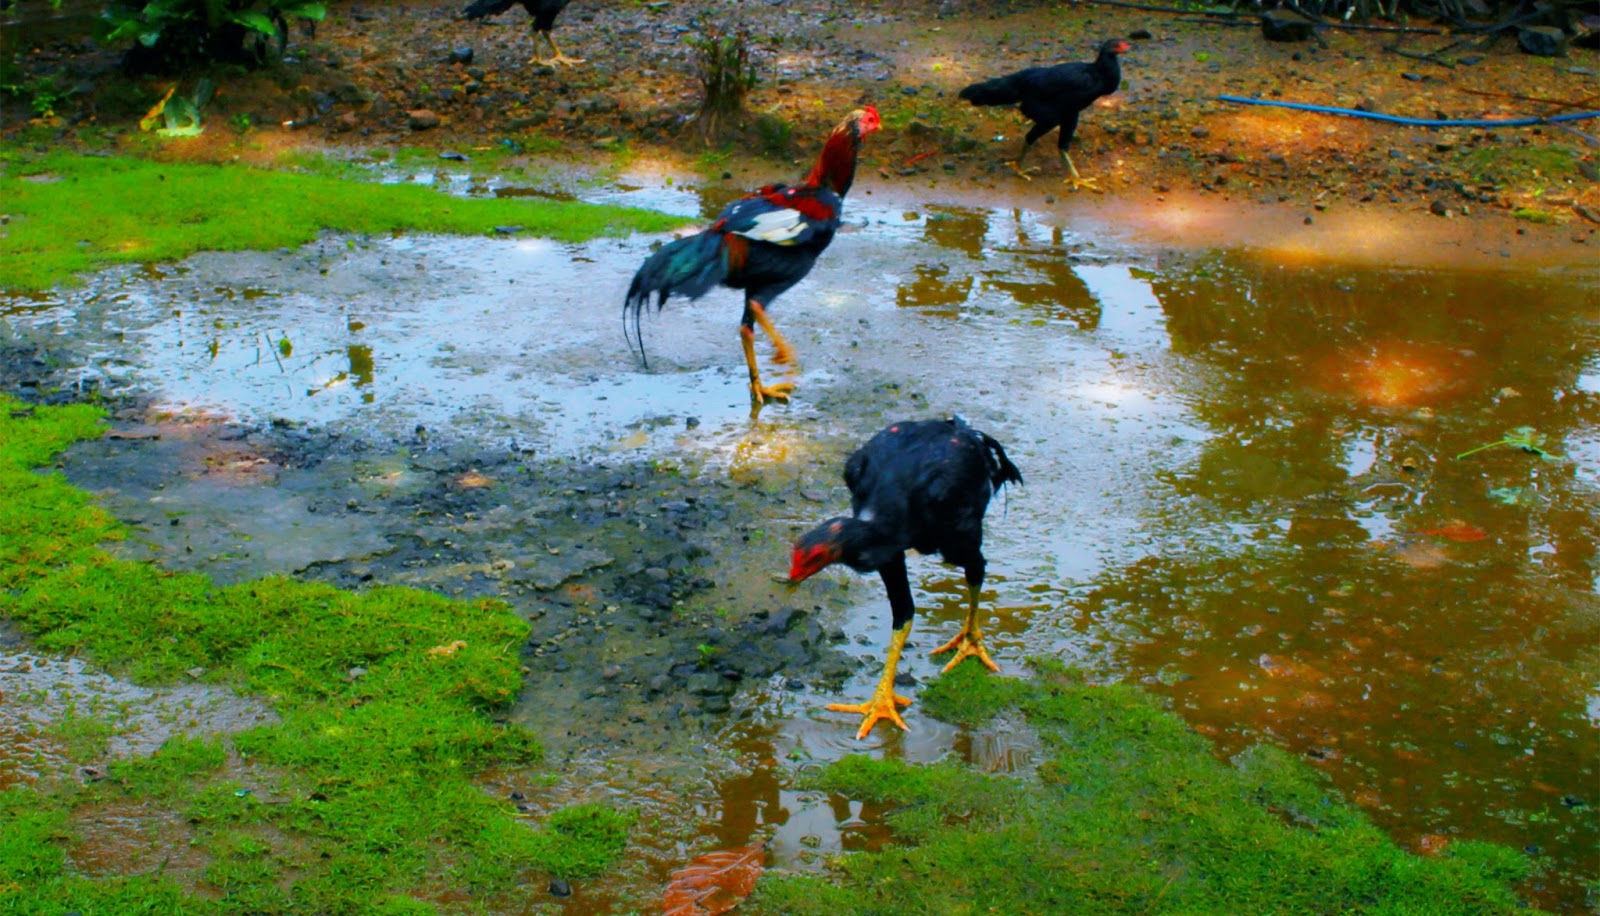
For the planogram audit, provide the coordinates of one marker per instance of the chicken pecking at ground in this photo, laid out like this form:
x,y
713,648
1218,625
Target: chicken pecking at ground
x,y
763,243
920,486
1052,97
544,14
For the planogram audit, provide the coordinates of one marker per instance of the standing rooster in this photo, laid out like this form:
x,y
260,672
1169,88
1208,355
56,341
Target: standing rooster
x,y
544,13
920,486
762,243
1052,96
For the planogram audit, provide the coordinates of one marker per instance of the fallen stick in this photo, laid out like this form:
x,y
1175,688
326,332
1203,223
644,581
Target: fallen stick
x,y
1422,56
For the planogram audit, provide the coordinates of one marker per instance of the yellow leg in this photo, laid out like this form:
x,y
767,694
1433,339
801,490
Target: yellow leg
x,y
969,642
560,58
1016,166
759,393
1077,182
885,703
782,352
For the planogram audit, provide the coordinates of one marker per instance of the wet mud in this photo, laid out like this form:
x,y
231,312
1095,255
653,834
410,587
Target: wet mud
x,y
1242,492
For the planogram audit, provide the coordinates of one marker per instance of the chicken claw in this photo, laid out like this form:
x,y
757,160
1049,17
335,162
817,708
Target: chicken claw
x,y
966,645
1024,174
764,394
881,706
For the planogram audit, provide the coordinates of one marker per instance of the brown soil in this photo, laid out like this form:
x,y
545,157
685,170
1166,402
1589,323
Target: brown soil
x,y
1177,164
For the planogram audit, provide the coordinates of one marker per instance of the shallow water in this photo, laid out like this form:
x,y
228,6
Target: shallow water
x,y
1241,486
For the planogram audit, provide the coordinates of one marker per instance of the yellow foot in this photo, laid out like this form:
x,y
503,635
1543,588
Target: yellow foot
x,y
565,60
783,353
879,707
1024,174
1076,183
965,646
763,394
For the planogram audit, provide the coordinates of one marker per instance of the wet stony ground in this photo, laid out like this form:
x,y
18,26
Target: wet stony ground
x,y
614,563
1227,454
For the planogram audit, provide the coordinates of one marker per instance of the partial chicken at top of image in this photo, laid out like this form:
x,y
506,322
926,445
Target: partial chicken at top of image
x,y
544,13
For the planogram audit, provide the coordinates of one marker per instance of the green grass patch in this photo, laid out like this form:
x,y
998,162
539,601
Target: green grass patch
x,y
386,702
1130,812
1521,164
73,213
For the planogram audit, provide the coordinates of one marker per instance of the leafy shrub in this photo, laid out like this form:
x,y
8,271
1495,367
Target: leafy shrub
x,y
170,35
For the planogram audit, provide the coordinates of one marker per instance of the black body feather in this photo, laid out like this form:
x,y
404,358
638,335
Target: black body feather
x,y
922,486
1053,96
544,12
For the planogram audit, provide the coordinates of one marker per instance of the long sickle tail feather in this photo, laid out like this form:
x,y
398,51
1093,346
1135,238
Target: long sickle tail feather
x,y
688,267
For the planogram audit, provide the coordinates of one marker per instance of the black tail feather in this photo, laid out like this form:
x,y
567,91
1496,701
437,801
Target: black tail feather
x,y
482,8
1003,90
688,267
1002,471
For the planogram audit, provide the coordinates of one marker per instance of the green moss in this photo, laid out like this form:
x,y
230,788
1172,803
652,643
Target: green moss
x,y
1130,813
970,697
76,213
1521,164
384,698
1533,215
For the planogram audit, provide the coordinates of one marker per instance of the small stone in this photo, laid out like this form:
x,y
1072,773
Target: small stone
x,y
1542,41
1413,77
1439,208
462,55
451,155
422,119
1279,25
560,888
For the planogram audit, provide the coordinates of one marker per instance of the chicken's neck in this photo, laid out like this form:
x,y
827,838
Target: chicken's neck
x,y
836,167
1110,69
864,546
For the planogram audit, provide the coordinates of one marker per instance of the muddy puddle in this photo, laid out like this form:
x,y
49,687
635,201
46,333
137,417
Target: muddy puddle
x,y
1242,492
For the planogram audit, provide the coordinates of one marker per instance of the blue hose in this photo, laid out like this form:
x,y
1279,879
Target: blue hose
x,y
1414,122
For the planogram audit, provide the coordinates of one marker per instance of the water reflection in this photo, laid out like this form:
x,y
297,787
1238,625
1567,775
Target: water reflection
x,y
1242,483
1436,661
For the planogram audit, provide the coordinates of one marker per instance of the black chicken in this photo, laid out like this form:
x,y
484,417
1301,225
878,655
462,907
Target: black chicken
x,y
544,13
763,243
920,486
1053,96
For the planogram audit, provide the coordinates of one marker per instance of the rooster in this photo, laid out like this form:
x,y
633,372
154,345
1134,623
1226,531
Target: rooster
x,y
544,13
763,243
1053,96
920,486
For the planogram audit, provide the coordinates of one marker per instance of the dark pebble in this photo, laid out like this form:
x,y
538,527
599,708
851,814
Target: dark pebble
x,y
560,888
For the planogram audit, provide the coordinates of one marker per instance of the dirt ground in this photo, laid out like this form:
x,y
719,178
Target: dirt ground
x,y
412,73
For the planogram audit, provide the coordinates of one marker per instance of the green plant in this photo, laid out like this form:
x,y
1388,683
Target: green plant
x,y
1524,437
168,35
41,94
726,73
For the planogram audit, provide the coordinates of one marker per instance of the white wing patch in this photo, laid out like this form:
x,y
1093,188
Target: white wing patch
x,y
779,227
